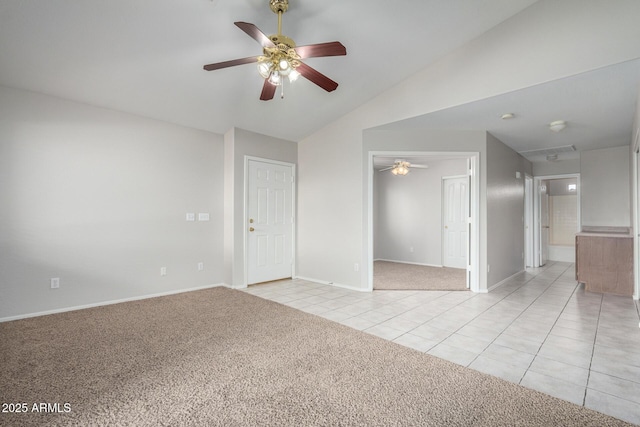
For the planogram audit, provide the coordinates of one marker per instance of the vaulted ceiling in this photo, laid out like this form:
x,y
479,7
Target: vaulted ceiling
x,y
146,58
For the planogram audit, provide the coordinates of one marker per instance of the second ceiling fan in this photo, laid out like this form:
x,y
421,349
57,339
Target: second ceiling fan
x,y
402,167
281,57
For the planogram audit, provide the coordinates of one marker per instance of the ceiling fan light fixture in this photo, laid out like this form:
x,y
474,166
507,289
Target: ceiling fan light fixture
x,y
264,68
284,69
293,75
274,78
400,168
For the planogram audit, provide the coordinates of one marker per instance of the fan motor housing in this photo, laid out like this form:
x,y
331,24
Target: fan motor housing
x,y
278,6
279,39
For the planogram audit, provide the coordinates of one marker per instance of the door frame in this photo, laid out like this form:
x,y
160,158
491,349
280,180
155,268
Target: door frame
x,y
635,185
536,210
245,215
473,162
443,179
528,221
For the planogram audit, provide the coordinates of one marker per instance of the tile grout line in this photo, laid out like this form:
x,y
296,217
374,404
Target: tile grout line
x,y
548,333
593,348
396,315
471,320
488,308
575,288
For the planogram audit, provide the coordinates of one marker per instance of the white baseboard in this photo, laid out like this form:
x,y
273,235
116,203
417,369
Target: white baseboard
x,y
411,263
337,285
503,281
102,303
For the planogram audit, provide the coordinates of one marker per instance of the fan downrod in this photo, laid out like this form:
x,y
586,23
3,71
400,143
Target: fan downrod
x,y
279,7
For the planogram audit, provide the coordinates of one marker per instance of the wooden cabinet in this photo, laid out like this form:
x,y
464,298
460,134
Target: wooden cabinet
x,y
604,263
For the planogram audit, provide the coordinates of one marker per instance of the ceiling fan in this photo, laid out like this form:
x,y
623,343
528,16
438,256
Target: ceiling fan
x,y
401,167
282,58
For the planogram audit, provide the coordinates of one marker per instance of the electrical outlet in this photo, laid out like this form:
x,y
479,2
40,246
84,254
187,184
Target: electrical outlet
x,y
356,267
163,271
55,283
411,249
488,268
200,266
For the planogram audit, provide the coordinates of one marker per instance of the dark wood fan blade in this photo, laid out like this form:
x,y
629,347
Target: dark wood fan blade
x,y
316,77
268,90
321,49
255,33
232,63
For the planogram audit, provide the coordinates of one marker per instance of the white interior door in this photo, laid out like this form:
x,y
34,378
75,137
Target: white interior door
x,y
544,225
270,221
636,201
455,225
528,222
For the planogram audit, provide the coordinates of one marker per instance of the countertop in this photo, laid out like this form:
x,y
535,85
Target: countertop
x,y
603,231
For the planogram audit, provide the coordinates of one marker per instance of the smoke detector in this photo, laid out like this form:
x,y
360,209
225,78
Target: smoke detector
x,y
557,126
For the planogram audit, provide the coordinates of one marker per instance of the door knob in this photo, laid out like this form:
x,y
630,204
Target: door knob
x,y
252,229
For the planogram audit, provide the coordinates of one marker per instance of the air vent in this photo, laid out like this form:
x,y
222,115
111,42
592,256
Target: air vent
x,y
548,151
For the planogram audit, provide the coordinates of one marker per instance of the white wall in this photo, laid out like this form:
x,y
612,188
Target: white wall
x,y
545,42
561,167
604,187
505,210
239,143
410,213
98,199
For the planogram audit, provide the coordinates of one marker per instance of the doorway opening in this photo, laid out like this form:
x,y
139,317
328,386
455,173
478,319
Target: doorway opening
x,y
557,218
409,227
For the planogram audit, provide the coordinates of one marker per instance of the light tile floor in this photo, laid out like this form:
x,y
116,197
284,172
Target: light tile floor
x,y
540,330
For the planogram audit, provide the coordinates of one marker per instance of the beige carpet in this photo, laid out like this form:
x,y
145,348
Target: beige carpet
x,y
221,357
398,276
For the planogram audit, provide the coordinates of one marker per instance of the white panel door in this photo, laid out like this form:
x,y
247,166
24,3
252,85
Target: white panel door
x,y
544,225
528,222
455,215
270,217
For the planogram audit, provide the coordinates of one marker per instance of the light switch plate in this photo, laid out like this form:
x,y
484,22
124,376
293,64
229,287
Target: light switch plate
x,y
191,217
203,216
